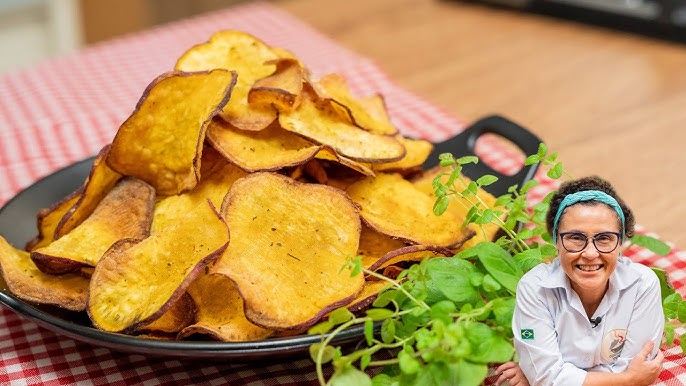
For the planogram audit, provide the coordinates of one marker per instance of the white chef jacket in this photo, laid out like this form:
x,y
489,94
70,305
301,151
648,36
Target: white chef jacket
x,y
554,338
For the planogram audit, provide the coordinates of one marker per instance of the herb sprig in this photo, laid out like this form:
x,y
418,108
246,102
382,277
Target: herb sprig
x,y
445,320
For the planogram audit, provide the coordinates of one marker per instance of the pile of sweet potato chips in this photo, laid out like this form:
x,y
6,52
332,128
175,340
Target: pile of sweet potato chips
x,y
229,201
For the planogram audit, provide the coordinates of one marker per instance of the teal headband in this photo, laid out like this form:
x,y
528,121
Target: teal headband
x,y
587,195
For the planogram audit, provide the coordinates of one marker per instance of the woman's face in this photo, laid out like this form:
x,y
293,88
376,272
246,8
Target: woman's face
x,y
588,270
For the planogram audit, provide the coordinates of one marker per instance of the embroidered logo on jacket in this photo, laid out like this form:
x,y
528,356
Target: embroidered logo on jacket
x,y
527,333
612,345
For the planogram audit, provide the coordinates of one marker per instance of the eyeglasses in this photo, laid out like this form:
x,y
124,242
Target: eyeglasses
x,y
604,242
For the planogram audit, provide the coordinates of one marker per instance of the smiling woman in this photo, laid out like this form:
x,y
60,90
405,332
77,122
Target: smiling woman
x,y
591,316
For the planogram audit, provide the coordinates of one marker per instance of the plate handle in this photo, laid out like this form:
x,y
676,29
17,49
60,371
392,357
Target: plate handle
x,y
464,143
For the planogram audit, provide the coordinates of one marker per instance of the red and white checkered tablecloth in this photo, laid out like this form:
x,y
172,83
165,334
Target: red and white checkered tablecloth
x,y
66,109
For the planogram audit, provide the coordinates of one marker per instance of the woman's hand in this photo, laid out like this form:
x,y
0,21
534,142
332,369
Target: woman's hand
x,y
642,370
512,373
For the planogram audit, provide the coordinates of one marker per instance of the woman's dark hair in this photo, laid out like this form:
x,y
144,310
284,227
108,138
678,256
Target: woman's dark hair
x,y
589,183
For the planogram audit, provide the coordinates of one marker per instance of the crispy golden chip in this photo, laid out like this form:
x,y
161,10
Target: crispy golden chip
x,y
392,271
459,208
392,205
303,234
49,218
417,151
162,141
283,88
251,59
176,318
315,171
329,154
369,114
64,216
267,150
100,181
87,271
318,121
217,177
369,293
374,245
135,284
409,254
28,283
125,212
220,312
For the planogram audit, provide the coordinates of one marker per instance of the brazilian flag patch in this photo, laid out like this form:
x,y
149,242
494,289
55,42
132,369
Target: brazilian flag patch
x,y
527,333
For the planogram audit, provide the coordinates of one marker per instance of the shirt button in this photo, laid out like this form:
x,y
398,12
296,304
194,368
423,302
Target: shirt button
x,y
589,332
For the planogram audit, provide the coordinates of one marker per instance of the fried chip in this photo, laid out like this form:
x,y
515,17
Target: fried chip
x,y
318,121
49,218
220,312
392,205
417,151
329,154
161,142
218,175
176,318
267,150
62,217
28,283
135,283
369,114
315,171
125,212
283,88
368,295
251,59
409,254
100,181
392,271
374,245
303,234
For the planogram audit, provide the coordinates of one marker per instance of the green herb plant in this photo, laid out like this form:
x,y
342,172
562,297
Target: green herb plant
x,y
444,321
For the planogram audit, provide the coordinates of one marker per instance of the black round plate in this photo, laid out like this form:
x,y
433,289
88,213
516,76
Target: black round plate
x,y
18,225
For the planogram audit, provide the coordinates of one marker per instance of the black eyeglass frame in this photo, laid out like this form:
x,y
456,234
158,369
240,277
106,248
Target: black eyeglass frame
x,y
562,234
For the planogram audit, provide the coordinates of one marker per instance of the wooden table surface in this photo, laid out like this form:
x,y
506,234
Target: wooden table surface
x,y
610,103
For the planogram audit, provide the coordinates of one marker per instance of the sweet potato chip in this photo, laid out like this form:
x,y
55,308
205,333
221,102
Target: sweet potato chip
x,y
485,232
329,154
49,218
374,245
369,293
62,217
100,181
133,285
392,205
217,177
220,312
179,316
283,88
28,283
162,141
409,254
369,114
417,151
315,171
267,150
392,271
251,59
318,121
303,234
125,212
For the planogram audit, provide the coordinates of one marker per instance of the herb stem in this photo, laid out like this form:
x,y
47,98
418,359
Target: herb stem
x,y
399,287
